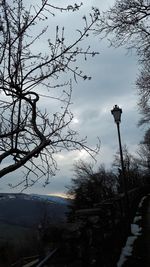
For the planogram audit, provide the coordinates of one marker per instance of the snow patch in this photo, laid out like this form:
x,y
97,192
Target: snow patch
x,y
136,231
141,202
137,218
127,250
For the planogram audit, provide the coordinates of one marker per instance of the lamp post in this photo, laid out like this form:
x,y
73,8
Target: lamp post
x,y
116,112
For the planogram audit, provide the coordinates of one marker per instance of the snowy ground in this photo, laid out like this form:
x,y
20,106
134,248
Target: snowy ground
x,y
136,231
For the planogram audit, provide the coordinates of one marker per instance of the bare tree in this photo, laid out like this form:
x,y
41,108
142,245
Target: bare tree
x,y
29,73
90,187
128,23
129,160
144,152
143,84
132,170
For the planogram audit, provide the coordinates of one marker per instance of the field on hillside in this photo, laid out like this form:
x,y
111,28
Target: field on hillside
x,y
14,233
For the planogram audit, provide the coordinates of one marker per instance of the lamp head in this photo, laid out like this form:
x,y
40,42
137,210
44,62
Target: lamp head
x,y
116,112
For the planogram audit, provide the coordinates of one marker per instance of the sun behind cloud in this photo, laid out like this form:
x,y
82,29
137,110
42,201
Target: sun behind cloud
x,y
58,194
75,120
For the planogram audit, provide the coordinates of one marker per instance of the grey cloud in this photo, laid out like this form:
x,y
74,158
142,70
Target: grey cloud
x,y
113,76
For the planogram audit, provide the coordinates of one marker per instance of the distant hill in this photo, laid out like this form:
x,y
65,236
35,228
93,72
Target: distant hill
x,y
29,210
56,199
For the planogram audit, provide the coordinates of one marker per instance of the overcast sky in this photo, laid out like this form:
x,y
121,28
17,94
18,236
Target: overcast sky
x,y
113,74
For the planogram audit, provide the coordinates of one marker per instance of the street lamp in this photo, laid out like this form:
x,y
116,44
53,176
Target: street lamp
x,y
116,112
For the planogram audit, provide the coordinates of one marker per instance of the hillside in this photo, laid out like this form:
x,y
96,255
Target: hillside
x,y
29,210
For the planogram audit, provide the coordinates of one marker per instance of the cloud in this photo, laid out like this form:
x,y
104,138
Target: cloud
x,y
113,75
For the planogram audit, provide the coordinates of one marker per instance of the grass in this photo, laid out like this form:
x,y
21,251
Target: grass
x,y
13,233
